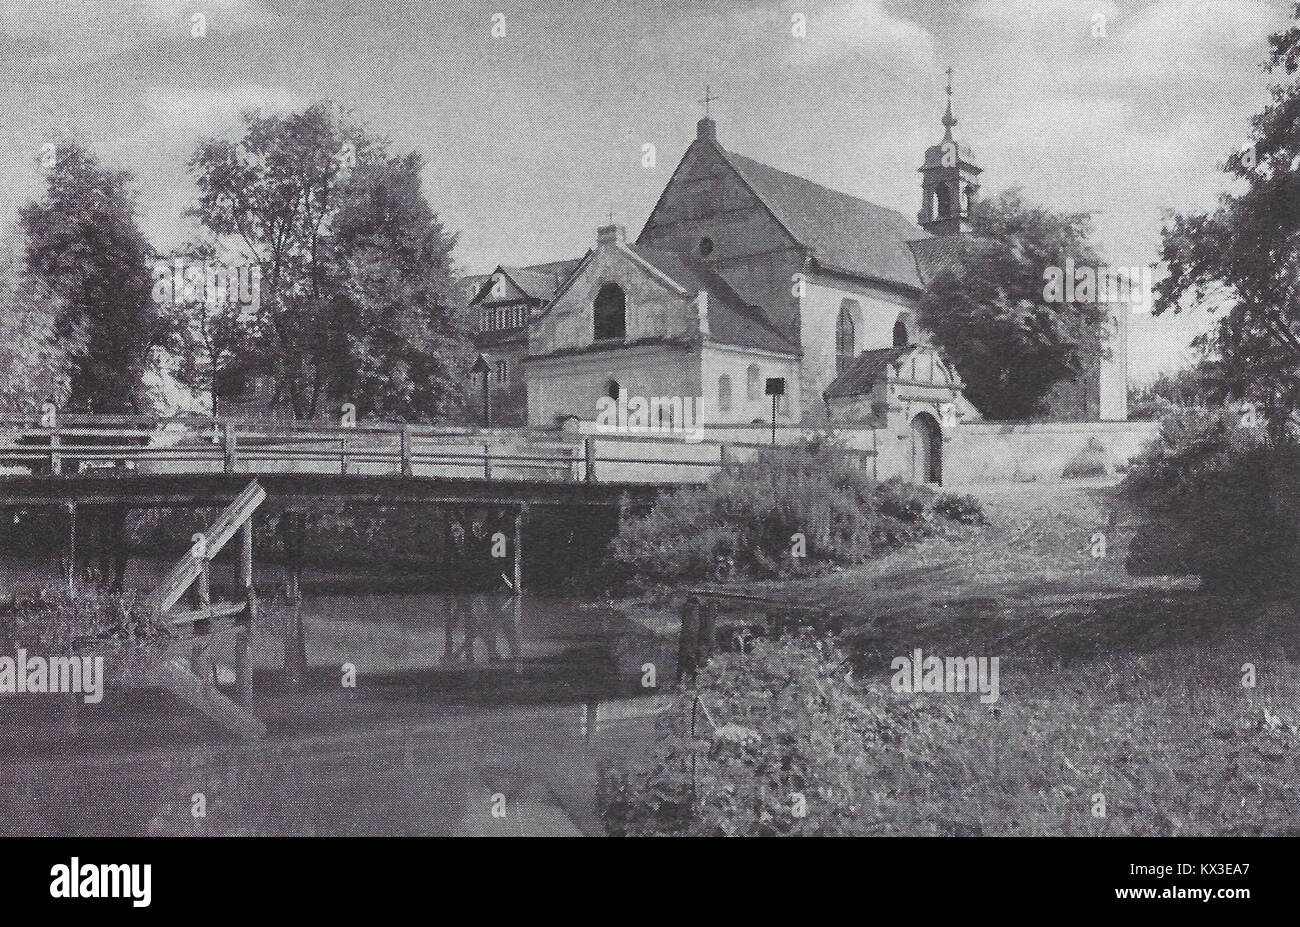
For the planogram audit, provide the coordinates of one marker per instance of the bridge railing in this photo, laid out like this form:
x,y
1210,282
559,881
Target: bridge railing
x,y
193,444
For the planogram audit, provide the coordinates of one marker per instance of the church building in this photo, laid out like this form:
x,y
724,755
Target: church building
x,y
744,273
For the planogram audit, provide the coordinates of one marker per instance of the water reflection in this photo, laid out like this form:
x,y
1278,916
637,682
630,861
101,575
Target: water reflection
x,y
420,747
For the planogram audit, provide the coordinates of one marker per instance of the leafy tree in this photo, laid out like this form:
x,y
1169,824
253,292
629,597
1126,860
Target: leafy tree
x,y
989,314
209,334
1243,258
34,365
404,350
82,241
354,264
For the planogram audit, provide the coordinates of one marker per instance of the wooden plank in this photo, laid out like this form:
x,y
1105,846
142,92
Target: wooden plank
x,y
197,692
214,610
189,567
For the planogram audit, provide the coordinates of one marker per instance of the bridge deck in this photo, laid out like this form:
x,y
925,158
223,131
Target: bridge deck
x,y
302,491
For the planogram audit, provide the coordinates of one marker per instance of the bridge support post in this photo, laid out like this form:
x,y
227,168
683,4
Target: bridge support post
x,y
516,617
292,532
70,565
200,665
243,661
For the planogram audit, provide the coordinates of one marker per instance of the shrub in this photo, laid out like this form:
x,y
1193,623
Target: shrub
x,y
51,622
785,743
748,516
965,509
1093,460
1205,485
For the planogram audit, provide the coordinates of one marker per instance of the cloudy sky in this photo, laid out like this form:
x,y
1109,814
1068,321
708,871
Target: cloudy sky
x,y
532,138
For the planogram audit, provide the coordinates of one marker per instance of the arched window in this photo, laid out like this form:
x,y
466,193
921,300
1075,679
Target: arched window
x,y
753,382
945,200
902,337
610,313
724,393
844,337
612,389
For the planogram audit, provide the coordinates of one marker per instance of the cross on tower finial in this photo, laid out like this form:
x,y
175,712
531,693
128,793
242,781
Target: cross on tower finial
x,y
708,98
611,216
949,120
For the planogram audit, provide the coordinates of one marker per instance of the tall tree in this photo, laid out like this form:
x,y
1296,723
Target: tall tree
x,y
34,364
989,313
355,269
1243,259
405,351
82,241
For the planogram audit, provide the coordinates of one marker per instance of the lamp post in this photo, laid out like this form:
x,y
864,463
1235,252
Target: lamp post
x,y
775,388
482,368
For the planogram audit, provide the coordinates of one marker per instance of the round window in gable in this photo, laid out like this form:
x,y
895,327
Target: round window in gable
x,y
706,247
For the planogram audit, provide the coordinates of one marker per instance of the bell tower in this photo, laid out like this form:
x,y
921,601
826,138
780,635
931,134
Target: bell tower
x,y
949,181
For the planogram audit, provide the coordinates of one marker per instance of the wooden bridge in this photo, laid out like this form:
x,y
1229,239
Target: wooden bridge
x,y
149,461
114,464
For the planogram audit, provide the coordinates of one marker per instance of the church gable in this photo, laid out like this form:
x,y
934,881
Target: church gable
x,y
708,211
615,298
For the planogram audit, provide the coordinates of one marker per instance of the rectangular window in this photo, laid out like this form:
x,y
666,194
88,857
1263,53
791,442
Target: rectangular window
x,y
503,372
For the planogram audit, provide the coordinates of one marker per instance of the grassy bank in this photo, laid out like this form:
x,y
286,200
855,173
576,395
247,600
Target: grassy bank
x,y
1117,693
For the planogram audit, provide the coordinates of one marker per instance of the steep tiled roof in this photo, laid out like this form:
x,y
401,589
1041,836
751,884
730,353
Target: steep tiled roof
x,y
731,319
843,232
557,270
866,370
534,284
538,281
936,254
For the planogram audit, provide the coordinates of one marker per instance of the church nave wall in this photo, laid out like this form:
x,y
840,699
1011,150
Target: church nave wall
x,y
749,401
874,311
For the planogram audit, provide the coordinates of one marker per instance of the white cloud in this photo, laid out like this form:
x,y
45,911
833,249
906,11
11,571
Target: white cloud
x,y
1051,14
1181,36
214,111
854,26
84,31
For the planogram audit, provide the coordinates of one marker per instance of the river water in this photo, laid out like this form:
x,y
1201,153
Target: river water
x,y
469,715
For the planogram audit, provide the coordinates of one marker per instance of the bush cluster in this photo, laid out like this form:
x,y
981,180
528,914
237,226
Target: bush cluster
x,y
52,622
1211,491
746,518
785,742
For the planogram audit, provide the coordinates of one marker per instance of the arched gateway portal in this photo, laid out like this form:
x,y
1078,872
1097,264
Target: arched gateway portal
x,y
927,449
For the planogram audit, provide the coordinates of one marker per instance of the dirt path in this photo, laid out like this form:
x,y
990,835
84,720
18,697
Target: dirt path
x,y
1038,565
